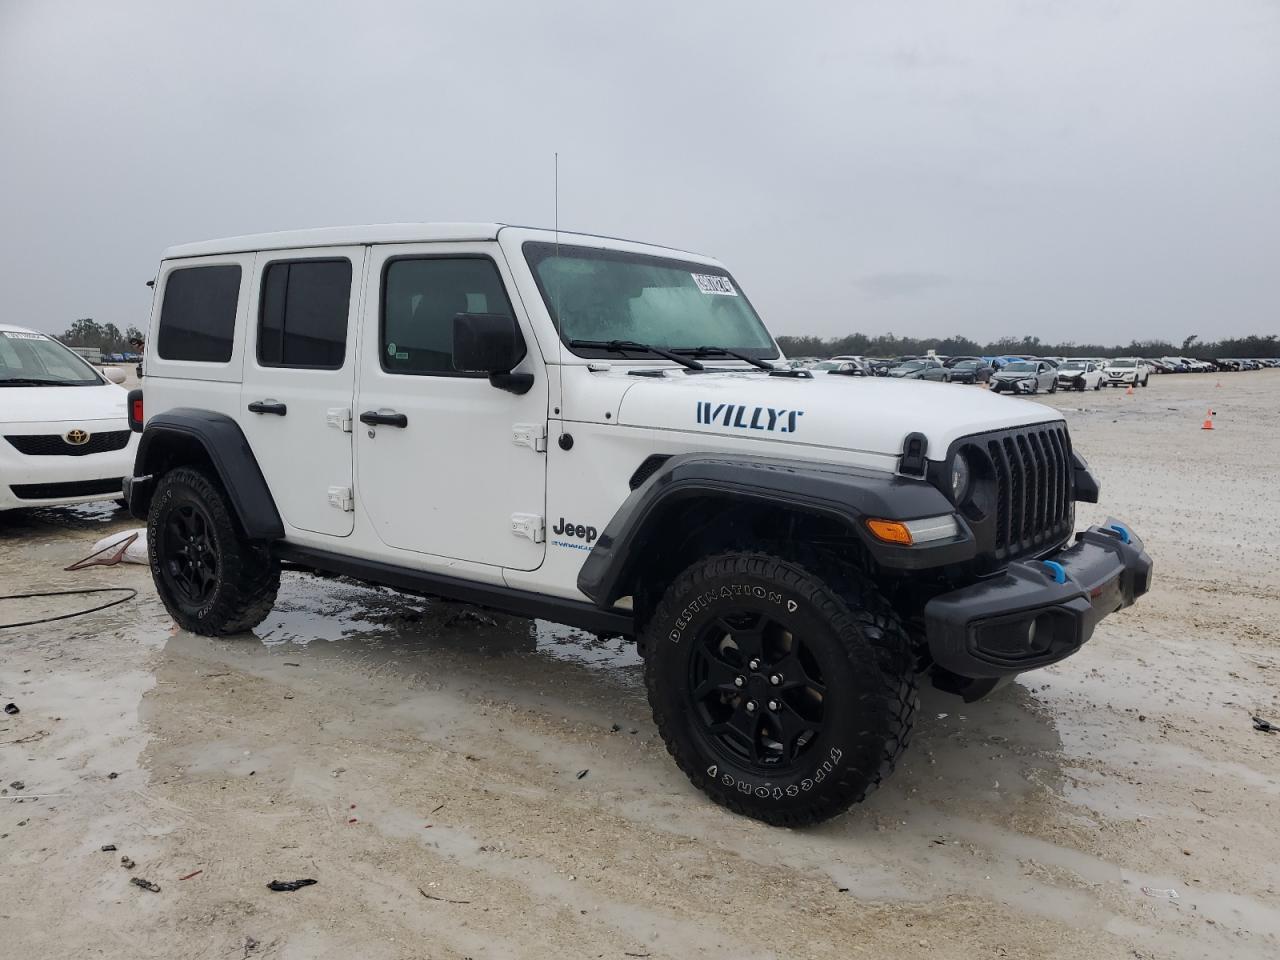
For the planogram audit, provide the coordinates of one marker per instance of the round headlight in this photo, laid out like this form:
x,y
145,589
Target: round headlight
x,y
959,478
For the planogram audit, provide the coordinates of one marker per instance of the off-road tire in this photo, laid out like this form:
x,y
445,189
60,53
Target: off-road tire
x,y
247,577
865,658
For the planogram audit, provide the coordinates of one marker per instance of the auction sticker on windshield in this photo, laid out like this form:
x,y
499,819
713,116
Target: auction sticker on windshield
x,y
708,283
16,335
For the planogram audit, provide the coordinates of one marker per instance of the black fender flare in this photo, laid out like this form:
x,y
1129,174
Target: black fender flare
x,y
845,494
227,449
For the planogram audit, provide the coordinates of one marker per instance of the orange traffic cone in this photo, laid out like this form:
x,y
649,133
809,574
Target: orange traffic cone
x,y
1208,421
1129,392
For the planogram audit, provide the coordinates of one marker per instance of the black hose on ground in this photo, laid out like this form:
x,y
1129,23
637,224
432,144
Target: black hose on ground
x,y
129,592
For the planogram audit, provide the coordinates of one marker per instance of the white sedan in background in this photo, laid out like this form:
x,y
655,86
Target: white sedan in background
x,y
1079,375
64,434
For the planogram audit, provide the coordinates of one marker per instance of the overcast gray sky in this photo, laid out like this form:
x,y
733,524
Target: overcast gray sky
x,y
1092,170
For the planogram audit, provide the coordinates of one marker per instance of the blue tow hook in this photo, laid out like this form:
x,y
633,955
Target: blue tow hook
x,y
1059,575
1123,531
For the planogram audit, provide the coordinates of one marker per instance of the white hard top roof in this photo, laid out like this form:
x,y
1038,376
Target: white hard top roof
x,y
380,233
10,328
339,236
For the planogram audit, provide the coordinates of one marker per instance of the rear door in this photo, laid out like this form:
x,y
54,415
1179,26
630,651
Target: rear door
x,y
299,380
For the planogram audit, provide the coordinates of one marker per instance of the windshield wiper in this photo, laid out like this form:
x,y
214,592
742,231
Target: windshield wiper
x,y
725,352
631,346
32,382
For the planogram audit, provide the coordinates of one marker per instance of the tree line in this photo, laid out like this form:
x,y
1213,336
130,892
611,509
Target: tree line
x,y
887,345
87,332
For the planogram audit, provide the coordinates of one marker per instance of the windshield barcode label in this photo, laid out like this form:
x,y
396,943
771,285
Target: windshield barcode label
x,y
708,283
16,335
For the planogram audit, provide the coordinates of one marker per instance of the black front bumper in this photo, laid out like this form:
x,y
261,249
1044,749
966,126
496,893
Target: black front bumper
x,y
1037,612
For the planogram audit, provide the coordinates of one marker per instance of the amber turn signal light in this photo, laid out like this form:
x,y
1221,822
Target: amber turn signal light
x,y
890,531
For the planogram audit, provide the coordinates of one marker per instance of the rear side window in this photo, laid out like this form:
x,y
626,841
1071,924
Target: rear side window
x,y
302,318
420,298
198,316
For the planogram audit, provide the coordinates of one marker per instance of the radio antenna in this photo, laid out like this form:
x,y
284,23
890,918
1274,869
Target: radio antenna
x,y
557,201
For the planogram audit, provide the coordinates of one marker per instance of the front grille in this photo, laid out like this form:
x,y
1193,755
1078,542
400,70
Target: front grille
x,y
54,445
71,488
1034,486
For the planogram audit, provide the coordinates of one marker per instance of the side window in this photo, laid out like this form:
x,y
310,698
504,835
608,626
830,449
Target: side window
x,y
420,298
198,315
302,315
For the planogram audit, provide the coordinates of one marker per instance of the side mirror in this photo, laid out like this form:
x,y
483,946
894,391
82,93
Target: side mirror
x,y
114,374
490,343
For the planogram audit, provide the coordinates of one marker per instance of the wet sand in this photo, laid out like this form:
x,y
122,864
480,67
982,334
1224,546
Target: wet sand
x,y
424,765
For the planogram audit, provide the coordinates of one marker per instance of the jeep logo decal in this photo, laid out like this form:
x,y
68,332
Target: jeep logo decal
x,y
743,417
567,529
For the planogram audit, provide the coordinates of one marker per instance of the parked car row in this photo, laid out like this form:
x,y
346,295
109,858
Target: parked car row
x,y
1025,374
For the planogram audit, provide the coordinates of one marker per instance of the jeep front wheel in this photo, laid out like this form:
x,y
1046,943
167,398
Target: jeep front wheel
x,y
212,579
782,695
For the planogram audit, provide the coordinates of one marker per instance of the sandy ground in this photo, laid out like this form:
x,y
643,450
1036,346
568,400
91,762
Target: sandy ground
x,y
469,789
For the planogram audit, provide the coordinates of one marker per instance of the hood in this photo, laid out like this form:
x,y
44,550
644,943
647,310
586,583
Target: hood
x,y
1014,374
865,414
62,404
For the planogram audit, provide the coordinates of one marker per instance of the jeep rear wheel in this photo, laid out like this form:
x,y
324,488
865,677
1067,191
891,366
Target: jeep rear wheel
x,y
212,579
781,695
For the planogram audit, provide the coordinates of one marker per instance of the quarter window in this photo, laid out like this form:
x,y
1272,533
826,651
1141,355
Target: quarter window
x,y
420,298
302,318
198,315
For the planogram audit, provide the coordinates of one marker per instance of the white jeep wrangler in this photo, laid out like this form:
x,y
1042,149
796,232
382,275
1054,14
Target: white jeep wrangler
x,y
594,432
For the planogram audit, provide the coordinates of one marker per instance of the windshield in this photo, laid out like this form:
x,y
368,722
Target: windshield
x,y
1073,365
604,295
32,359
1020,366
912,365
968,364
829,365
1120,363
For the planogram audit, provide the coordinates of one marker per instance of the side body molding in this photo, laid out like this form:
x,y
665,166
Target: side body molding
x,y
227,449
843,494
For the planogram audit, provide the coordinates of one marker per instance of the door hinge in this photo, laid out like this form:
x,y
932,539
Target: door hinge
x,y
529,525
342,498
531,435
339,417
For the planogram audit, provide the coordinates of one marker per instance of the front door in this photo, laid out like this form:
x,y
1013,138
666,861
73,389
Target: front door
x,y
446,469
299,377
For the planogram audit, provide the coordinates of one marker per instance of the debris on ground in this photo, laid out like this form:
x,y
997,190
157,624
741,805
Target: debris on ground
x,y
127,863
108,847
250,945
582,773
194,873
1160,894
431,896
287,886
112,775
145,884
11,709
18,785
127,546
1266,726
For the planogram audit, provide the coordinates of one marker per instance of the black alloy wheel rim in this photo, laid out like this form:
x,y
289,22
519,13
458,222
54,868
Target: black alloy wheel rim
x,y
758,693
190,553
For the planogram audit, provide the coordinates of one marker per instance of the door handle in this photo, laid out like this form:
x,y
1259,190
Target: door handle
x,y
268,406
376,418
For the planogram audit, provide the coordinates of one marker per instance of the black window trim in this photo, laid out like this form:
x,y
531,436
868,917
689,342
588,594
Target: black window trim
x,y
760,353
257,337
382,313
182,263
